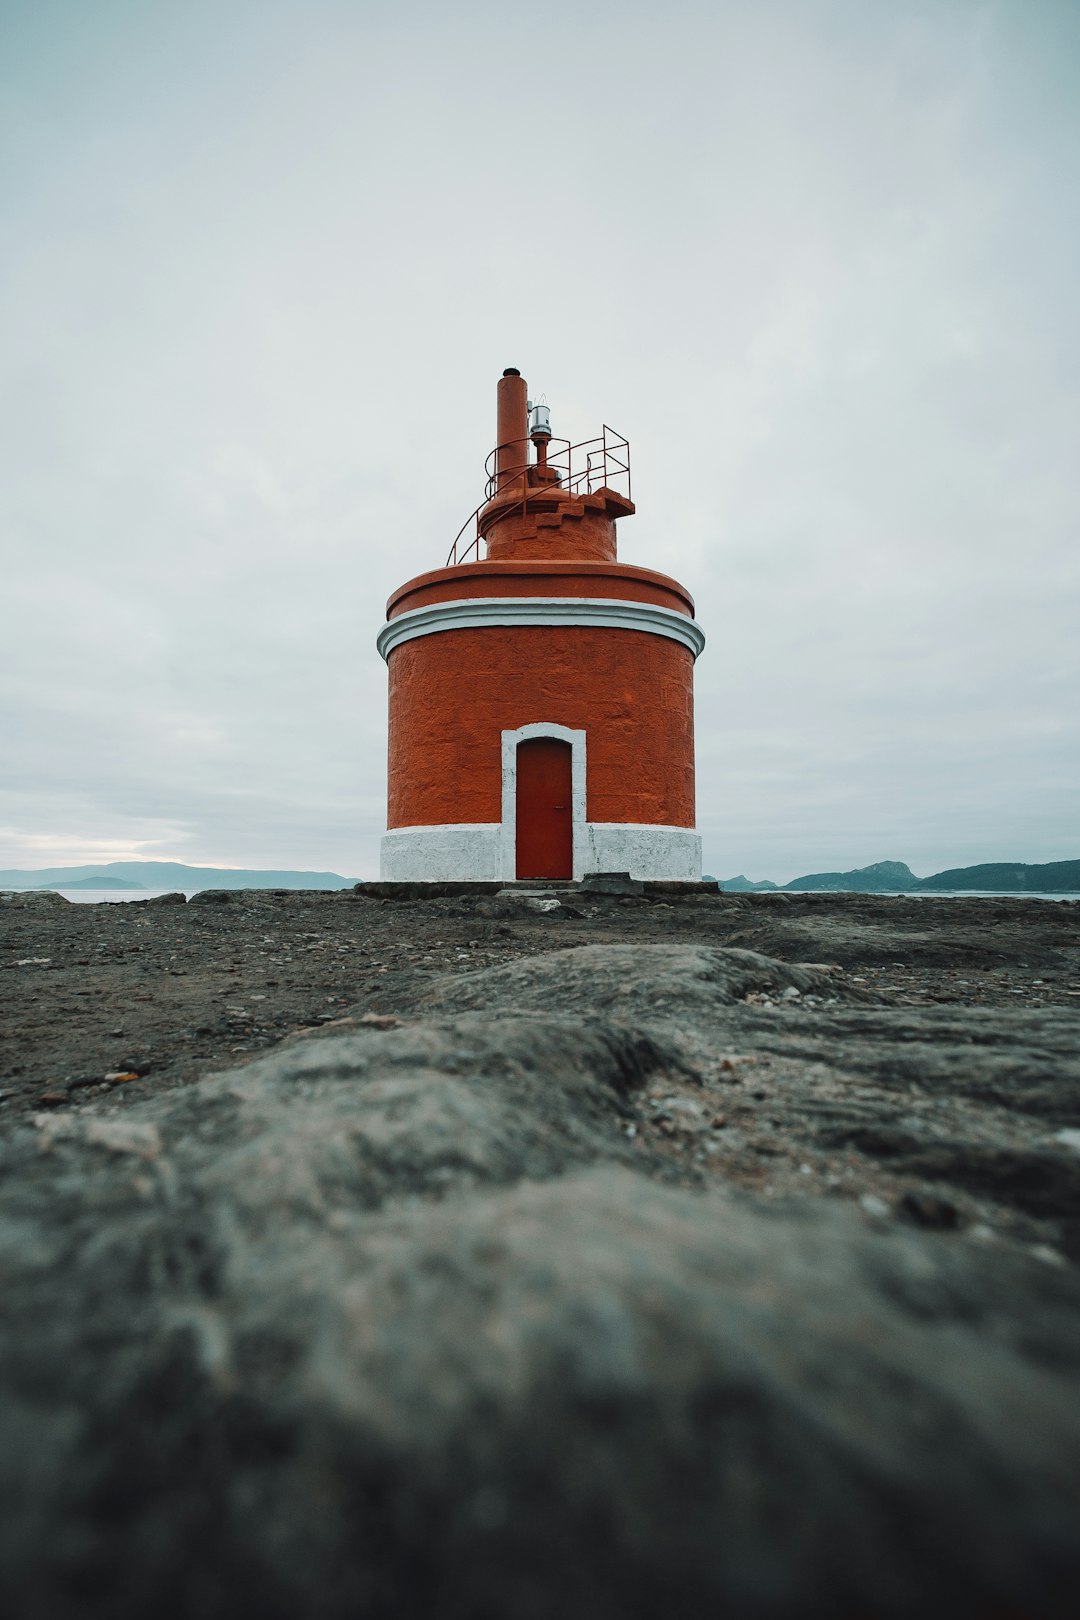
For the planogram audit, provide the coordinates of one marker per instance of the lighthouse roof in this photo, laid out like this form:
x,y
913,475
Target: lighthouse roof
x,y
545,497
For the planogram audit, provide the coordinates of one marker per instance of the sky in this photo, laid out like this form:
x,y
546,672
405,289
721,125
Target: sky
x,y
262,262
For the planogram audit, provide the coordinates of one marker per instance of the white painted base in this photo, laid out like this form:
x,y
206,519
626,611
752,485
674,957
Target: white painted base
x,y
442,854
483,851
644,851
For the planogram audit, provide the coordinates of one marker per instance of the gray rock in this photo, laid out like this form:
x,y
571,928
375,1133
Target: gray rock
x,y
402,1321
33,899
657,980
508,901
611,883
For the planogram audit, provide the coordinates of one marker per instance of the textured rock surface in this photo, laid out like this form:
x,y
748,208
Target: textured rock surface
x,y
654,1276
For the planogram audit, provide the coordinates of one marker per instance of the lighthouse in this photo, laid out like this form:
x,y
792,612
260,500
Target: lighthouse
x,y
541,693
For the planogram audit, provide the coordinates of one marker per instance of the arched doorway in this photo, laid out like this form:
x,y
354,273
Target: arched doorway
x,y
545,826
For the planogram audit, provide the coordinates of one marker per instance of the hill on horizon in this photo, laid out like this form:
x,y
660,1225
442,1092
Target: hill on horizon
x,y
865,879
1012,877
163,874
1052,877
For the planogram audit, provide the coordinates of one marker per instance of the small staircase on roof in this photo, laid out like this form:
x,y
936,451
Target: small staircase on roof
x,y
602,503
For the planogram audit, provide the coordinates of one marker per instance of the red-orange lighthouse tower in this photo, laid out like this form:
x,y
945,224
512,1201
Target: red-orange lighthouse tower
x,y
541,692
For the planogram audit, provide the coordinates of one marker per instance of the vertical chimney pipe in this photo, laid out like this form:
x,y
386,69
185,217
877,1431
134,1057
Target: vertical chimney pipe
x,y
512,443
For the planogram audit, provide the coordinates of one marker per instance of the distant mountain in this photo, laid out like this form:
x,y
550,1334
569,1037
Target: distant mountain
x,y
167,875
1052,877
1013,877
864,880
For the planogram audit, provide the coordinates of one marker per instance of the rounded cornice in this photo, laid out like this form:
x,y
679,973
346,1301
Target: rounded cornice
x,y
481,612
522,577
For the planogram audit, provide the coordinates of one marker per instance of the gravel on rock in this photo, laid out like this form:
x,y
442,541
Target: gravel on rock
x,y
635,1257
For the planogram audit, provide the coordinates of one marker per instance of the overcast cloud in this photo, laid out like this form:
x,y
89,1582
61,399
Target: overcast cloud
x,y
262,263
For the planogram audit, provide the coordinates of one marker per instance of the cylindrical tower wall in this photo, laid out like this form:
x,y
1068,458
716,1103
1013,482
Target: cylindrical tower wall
x,y
453,694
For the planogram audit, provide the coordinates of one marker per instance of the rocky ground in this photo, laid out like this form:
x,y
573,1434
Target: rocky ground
x,y
494,1256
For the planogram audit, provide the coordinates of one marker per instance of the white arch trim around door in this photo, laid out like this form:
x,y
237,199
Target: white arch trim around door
x,y
508,833
488,850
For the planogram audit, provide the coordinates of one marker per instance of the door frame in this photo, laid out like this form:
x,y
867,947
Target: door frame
x,y
508,841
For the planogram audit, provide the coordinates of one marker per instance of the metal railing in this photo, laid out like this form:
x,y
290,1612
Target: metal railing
x,y
579,469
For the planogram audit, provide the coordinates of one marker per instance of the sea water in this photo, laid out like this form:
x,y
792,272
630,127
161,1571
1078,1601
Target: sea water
x,y
95,896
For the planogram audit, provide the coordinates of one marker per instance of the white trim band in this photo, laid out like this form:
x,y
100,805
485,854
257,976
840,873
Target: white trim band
x,y
481,850
481,611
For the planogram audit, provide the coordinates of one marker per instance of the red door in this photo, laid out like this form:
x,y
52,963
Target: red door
x,y
545,830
